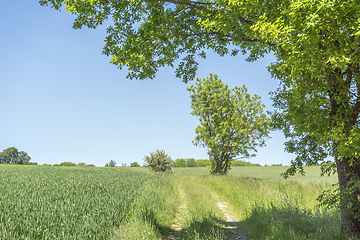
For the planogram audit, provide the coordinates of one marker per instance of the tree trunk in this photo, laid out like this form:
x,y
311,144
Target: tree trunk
x,y
350,221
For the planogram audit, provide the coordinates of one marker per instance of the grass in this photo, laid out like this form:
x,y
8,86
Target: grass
x,y
41,202
268,172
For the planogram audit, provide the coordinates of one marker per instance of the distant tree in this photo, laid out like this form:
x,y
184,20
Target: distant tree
x,y
179,162
68,164
232,123
12,155
135,164
90,165
112,163
158,161
56,165
82,164
190,162
202,162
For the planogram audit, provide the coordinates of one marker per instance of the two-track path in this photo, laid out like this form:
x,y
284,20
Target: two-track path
x,y
231,228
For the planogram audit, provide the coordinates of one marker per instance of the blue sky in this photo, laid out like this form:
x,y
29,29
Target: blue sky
x,y
62,100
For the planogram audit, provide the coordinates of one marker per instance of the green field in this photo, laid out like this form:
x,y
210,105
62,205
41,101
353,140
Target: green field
x,y
41,202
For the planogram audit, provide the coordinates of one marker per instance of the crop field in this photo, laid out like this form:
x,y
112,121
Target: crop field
x,y
40,202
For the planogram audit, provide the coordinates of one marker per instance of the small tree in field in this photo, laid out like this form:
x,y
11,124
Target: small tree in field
x,y
112,163
134,164
232,123
158,161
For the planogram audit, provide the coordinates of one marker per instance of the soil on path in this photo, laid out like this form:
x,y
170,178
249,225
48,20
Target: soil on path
x,y
231,229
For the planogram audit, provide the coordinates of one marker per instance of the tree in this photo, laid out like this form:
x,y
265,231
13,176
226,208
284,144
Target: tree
x,y
190,162
112,163
179,162
135,164
232,123
12,155
158,161
316,46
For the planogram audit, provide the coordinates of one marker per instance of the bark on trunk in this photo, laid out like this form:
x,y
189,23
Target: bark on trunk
x,y
350,223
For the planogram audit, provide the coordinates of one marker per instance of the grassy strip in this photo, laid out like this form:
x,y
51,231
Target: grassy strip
x,y
201,219
268,172
39,202
153,212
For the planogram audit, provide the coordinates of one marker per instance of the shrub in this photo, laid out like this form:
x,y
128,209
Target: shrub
x,y
56,165
238,163
134,164
202,162
67,164
82,164
158,161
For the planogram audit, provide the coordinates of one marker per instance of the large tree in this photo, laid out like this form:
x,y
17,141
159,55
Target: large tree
x,y
12,155
317,49
232,123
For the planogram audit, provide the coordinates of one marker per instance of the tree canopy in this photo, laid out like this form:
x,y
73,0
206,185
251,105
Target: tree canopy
x,y
12,155
232,123
317,49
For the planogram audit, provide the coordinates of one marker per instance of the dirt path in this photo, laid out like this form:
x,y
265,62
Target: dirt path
x,y
231,229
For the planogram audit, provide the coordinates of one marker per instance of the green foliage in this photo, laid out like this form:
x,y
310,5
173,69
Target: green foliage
x,y
81,164
112,163
56,165
232,123
180,162
69,164
202,162
158,161
45,164
315,44
65,203
135,164
190,162
239,163
12,155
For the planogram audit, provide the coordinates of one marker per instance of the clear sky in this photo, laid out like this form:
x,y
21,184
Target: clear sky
x,y
62,100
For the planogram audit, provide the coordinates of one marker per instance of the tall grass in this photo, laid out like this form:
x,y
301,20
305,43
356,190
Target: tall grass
x,y
200,218
271,209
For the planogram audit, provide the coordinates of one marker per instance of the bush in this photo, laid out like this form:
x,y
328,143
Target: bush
x,y
68,164
45,164
158,161
90,165
134,164
239,163
202,162
82,164
56,165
